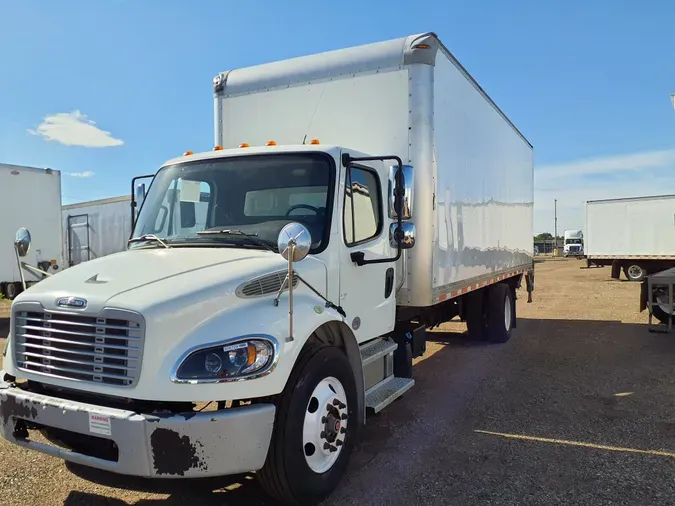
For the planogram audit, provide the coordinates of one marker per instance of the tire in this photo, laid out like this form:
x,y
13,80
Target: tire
x,y
657,312
500,313
11,290
635,272
287,475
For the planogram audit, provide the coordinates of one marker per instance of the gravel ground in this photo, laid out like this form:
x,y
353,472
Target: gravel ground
x,y
577,346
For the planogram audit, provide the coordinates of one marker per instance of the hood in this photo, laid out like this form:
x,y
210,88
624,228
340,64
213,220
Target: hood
x,y
97,281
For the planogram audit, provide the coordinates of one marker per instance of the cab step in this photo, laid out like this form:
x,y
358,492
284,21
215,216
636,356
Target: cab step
x,y
386,392
375,349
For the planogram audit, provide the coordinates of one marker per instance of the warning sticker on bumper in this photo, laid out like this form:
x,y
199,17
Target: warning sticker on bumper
x,y
99,424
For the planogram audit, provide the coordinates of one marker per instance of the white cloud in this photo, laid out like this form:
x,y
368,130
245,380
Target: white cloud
x,y
86,173
74,129
573,183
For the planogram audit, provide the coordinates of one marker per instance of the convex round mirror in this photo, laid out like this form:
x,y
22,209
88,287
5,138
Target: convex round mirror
x,y
294,234
22,241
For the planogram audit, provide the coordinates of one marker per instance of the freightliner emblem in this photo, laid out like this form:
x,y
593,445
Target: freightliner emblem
x,y
72,302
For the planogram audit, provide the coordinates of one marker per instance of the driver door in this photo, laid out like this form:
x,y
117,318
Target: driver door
x,y
367,292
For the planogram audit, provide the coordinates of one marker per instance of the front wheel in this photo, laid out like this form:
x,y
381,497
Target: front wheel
x,y
314,428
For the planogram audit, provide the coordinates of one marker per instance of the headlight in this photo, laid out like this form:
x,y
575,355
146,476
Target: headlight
x,y
229,361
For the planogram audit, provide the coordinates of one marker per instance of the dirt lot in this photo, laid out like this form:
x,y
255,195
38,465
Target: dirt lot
x,y
576,409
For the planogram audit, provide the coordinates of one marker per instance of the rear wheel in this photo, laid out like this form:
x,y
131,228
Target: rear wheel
x,y
314,427
635,272
500,313
11,290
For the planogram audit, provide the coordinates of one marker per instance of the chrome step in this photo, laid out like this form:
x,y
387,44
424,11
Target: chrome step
x,y
386,392
377,348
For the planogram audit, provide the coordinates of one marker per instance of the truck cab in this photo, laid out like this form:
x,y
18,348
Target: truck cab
x,y
573,243
120,351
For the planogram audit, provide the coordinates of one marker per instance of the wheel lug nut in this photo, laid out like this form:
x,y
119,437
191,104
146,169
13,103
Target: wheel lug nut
x,y
343,430
327,446
338,443
324,419
344,416
333,449
323,434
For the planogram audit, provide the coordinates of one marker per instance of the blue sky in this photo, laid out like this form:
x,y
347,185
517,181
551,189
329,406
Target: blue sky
x,y
588,82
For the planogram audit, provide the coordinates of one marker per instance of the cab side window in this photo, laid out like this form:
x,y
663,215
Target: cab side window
x,y
362,215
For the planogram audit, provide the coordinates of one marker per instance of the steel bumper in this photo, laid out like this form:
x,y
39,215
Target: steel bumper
x,y
189,445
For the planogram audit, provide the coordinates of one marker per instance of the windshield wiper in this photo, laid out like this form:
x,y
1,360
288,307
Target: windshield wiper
x,y
148,237
230,231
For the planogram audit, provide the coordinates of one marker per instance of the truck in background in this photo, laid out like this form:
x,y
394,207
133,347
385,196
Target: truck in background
x,y
96,228
276,289
31,198
573,243
633,235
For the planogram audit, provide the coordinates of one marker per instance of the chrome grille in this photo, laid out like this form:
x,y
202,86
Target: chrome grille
x,y
264,285
104,348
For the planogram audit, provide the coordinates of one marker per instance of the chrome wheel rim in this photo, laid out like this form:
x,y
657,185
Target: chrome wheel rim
x,y
325,426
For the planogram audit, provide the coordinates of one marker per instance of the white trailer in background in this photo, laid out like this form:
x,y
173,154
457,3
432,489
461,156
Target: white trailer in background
x,y
353,200
31,198
96,228
636,235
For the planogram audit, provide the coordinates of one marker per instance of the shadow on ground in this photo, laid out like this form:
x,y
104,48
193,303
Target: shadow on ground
x,y
556,378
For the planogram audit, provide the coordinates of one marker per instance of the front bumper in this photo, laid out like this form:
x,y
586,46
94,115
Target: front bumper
x,y
188,445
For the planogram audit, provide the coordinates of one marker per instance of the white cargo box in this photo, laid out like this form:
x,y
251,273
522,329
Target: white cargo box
x,y
639,227
31,198
96,228
473,170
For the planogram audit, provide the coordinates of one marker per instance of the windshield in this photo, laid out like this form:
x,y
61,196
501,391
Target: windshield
x,y
254,195
573,241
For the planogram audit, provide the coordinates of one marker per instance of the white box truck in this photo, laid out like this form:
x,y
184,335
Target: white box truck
x,y
635,235
96,228
31,198
276,289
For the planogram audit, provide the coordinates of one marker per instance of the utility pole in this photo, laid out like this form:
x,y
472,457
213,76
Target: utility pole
x,y
555,227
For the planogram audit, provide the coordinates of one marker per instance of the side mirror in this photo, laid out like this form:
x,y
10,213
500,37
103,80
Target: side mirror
x,y
407,204
406,234
295,238
140,196
22,241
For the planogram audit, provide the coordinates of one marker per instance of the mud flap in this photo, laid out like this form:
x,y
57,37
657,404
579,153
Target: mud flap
x,y
529,283
616,269
644,287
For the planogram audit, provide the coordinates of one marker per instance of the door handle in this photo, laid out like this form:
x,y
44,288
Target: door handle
x,y
388,282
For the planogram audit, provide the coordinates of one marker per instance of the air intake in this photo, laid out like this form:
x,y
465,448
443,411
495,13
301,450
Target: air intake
x,y
268,284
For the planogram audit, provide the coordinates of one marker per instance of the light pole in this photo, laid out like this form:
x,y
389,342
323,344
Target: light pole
x,y
555,227
672,99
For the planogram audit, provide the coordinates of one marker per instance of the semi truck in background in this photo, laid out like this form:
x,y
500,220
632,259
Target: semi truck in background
x,y
95,228
573,245
277,288
31,198
633,235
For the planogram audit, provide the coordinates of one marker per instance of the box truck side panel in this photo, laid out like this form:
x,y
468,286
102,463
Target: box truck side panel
x,y
32,199
95,229
631,227
485,194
